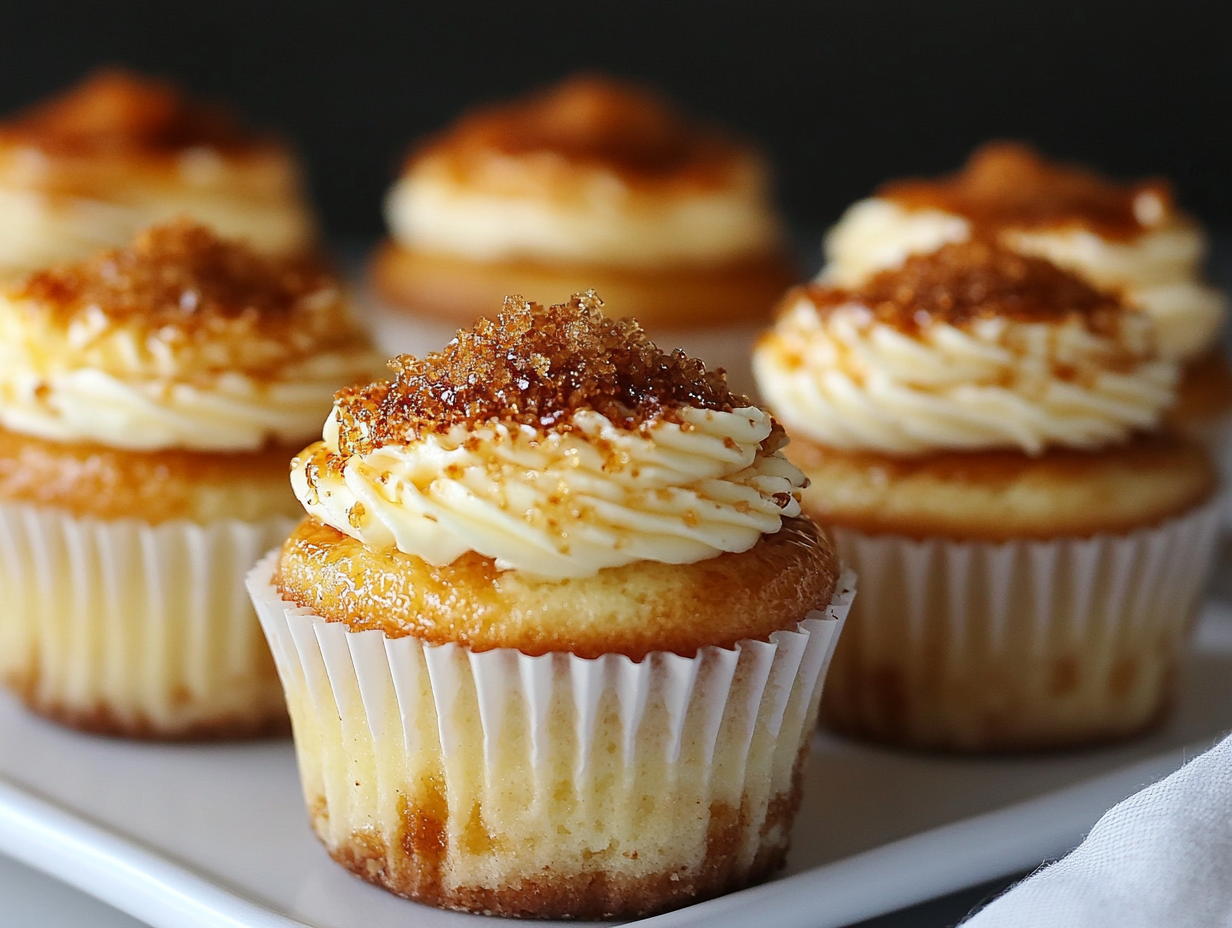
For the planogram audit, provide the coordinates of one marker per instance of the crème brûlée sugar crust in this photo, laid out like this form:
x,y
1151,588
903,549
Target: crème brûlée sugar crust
x,y
552,514
1126,236
148,397
591,184
89,168
182,340
984,436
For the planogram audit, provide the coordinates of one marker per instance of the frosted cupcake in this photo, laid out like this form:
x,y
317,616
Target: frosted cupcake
x,y
982,433
90,168
591,183
150,401
553,632
1128,237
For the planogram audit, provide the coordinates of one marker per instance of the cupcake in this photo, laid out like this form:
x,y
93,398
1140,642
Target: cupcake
x,y
90,168
553,632
592,182
982,433
1128,237
150,401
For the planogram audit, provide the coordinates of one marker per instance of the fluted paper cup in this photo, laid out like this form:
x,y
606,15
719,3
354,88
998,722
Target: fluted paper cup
x,y
976,646
121,627
553,785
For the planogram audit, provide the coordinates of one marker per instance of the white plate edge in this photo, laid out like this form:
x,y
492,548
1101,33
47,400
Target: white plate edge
x,y
141,882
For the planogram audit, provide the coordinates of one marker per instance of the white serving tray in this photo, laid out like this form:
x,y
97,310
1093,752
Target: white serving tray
x,y
184,836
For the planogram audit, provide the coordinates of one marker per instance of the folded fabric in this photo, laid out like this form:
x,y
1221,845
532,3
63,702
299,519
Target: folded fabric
x,y
1163,857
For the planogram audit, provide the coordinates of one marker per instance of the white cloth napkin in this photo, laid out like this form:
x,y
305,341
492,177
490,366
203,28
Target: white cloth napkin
x,y
1160,859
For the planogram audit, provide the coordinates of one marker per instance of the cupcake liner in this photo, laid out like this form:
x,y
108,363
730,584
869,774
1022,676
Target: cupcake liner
x,y
975,645
514,763
118,626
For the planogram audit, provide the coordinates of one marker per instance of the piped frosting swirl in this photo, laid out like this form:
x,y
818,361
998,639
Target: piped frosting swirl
x,y
557,442
970,347
182,340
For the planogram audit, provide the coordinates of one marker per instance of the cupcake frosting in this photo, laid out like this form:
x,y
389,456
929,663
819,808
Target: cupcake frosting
x,y
88,169
1125,236
557,443
592,171
182,340
969,347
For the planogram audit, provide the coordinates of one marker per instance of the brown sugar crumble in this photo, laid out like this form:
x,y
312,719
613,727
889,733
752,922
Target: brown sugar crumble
x,y
1008,184
967,281
531,366
594,120
182,275
114,111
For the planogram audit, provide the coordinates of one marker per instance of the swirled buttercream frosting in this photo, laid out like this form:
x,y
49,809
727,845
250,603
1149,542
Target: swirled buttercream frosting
x,y
590,171
1125,236
969,347
556,442
89,168
182,340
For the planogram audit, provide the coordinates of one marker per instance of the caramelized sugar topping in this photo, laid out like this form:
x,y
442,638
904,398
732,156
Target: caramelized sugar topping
x,y
181,275
1010,184
114,111
593,120
967,281
531,366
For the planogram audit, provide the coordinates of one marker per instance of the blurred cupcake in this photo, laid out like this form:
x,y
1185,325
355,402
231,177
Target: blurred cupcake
x,y
90,168
1128,237
981,430
149,401
591,183
553,632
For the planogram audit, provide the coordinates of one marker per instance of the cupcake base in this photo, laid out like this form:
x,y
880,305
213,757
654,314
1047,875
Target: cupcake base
x,y
979,646
562,893
549,786
118,627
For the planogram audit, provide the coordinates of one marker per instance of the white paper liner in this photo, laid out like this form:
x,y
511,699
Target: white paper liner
x,y
975,645
130,628
553,761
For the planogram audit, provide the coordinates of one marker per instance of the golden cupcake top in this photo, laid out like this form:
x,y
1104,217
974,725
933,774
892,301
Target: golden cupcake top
x,y
181,339
554,441
592,171
118,112
1011,185
972,347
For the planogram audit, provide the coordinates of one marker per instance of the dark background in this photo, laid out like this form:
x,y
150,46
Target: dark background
x,y
843,94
